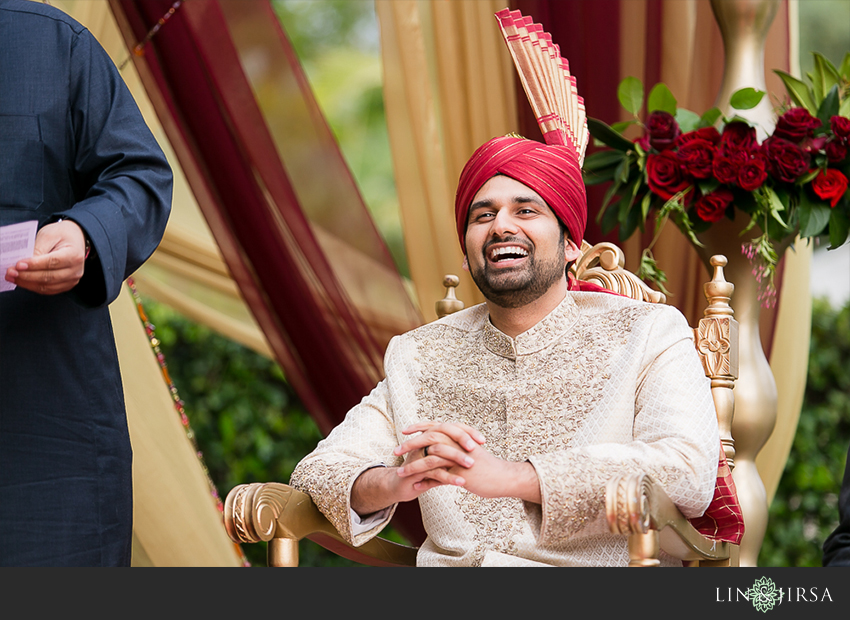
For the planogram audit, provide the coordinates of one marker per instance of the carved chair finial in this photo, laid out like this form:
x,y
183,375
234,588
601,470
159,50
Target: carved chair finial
x,y
450,303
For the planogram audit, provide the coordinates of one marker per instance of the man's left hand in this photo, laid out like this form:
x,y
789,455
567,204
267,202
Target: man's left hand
x,y
57,263
458,449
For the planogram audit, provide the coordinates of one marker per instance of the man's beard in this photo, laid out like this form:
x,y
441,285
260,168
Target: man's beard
x,y
523,286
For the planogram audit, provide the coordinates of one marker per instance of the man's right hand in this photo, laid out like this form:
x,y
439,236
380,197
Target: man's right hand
x,y
448,447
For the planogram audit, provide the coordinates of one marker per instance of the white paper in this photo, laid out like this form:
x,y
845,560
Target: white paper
x,y
17,241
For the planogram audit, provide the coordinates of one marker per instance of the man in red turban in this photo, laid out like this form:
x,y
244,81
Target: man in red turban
x,y
506,420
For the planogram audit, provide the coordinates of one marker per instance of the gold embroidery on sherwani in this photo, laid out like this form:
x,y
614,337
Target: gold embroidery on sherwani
x,y
527,397
602,385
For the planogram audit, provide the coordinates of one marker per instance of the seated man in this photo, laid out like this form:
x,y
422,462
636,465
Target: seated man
x,y
507,419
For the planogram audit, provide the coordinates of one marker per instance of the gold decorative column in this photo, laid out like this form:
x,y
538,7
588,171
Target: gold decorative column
x,y
744,25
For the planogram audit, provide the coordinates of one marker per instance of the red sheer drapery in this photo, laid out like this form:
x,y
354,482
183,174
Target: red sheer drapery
x,y
280,201
276,192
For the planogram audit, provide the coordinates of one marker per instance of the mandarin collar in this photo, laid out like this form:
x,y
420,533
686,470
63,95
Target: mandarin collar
x,y
535,339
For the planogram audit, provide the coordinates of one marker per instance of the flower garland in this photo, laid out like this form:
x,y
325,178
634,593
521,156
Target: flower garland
x,y
179,405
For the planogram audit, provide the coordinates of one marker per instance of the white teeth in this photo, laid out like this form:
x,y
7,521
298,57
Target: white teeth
x,y
508,250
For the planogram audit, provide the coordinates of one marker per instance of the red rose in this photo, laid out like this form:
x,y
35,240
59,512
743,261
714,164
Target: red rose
x,y
737,136
696,157
704,133
726,169
840,127
643,142
795,125
787,160
836,151
663,130
664,175
752,174
830,185
712,207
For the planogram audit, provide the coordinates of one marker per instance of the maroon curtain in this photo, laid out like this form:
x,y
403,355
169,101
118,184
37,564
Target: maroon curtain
x,y
280,201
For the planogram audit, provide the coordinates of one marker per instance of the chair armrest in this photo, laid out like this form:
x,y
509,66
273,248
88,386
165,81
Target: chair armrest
x,y
639,507
283,515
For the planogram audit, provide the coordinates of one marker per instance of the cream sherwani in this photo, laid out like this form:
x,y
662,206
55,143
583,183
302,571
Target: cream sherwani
x,y
604,385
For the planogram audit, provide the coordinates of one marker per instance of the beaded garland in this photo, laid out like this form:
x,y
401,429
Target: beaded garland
x,y
178,404
139,49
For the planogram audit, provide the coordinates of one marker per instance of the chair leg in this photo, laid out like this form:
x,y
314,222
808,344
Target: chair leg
x,y
282,552
644,549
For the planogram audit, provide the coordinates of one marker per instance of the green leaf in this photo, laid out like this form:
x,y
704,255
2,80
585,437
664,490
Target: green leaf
x,y
746,98
630,94
799,93
775,205
688,121
825,77
622,126
844,69
839,228
829,106
660,98
608,136
844,108
813,218
622,171
603,159
710,117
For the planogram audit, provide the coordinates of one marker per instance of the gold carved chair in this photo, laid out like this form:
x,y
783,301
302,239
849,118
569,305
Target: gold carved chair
x,y
637,506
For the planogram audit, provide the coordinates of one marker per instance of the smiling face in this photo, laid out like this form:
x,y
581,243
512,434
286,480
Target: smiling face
x,y
516,249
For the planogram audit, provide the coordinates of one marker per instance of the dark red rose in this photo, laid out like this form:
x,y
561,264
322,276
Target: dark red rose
x,y
752,174
830,185
836,151
813,145
705,133
664,174
737,136
726,168
643,142
840,127
795,125
712,207
786,160
696,157
663,130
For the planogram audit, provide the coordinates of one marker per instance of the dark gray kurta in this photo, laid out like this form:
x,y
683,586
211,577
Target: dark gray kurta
x,y
72,144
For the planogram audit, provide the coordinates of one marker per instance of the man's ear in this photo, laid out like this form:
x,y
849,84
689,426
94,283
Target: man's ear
x,y
571,251
465,264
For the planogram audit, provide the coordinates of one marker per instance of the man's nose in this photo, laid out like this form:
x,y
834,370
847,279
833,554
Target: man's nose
x,y
504,224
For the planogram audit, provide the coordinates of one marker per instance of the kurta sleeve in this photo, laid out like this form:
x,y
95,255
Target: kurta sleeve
x,y
365,439
122,180
675,440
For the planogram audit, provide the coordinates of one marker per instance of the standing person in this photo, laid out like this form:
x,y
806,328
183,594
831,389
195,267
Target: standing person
x,y
836,547
77,157
505,420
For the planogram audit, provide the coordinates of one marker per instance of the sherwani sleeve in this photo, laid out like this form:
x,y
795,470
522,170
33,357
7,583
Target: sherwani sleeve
x,y
675,439
122,180
366,438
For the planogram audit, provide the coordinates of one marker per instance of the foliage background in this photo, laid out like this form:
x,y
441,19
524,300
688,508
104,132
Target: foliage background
x,y
250,425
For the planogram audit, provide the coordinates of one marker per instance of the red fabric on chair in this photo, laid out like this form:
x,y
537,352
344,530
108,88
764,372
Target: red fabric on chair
x,y
723,520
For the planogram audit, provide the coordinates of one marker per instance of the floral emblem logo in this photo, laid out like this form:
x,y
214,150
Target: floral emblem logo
x,y
764,595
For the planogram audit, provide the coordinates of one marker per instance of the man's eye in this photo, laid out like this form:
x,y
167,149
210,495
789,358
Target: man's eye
x,y
483,216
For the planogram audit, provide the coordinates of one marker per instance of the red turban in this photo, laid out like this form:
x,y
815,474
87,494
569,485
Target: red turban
x,y
552,171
